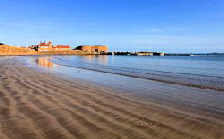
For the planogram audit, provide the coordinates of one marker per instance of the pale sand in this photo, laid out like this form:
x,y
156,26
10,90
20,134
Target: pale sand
x,y
35,104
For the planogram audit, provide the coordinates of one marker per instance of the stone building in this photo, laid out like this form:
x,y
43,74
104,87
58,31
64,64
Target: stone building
x,y
96,48
61,48
45,46
48,46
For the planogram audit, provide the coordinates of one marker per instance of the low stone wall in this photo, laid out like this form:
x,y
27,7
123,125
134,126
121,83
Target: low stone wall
x,y
144,54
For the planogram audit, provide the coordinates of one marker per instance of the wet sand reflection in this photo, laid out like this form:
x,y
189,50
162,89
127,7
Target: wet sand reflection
x,y
45,62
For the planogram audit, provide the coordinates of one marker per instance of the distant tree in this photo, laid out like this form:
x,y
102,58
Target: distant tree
x,y
36,48
2,44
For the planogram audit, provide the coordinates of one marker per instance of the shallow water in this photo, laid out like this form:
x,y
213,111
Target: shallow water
x,y
162,93
196,71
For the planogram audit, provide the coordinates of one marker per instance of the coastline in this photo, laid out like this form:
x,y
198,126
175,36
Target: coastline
x,y
37,104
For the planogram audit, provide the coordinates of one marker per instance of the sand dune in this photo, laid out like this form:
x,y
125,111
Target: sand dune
x,y
36,104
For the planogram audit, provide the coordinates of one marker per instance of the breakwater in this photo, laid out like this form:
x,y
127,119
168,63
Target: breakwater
x,y
145,53
134,53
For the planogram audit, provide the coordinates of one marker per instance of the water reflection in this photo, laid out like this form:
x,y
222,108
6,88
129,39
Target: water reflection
x,y
99,59
45,62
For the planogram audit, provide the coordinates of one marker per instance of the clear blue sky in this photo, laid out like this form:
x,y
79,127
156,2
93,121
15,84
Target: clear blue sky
x,y
126,25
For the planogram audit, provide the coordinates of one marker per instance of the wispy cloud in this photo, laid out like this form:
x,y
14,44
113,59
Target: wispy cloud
x,y
180,41
153,41
47,26
153,30
163,30
220,15
32,25
90,23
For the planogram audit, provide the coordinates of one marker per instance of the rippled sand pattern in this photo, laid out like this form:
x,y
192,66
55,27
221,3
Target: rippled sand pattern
x,y
37,105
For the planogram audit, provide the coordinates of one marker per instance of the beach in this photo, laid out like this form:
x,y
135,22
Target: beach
x,y
38,104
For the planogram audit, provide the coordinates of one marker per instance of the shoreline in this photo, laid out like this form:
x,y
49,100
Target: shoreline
x,y
38,104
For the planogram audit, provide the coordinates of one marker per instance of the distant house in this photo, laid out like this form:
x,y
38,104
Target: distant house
x,y
96,48
48,46
45,46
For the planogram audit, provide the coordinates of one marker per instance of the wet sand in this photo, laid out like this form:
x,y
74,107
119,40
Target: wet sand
x,y
35,104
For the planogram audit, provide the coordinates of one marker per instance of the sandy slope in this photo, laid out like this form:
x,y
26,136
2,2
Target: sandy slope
x,y
13,50
35,104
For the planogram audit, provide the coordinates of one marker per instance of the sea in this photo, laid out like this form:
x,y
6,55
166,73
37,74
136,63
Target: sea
x,y
205,72
189,82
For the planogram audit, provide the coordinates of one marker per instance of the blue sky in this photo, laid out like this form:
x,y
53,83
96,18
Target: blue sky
x,y
123,25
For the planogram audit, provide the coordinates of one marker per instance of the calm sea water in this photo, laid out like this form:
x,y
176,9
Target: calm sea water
x,y
196,71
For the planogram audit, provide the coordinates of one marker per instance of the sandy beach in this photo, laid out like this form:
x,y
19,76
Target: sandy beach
x,y
35,104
